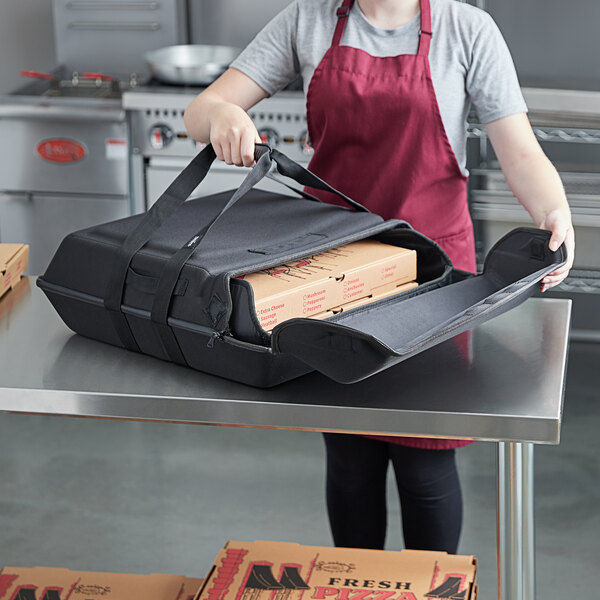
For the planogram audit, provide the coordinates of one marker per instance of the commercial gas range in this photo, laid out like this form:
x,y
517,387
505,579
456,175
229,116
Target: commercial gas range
x,y
161,147
63,159
64,152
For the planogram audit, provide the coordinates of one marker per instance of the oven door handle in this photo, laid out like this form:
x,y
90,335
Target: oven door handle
x,y
98,114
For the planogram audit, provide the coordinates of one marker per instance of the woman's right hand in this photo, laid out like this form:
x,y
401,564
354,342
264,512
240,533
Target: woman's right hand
x,y
218,115
232,134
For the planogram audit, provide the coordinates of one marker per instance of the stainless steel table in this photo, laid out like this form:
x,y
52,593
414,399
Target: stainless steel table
x,y
504,383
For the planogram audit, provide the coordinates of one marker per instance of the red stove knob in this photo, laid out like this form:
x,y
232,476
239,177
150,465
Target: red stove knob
x,y
160,136
305,145
37,75
269,136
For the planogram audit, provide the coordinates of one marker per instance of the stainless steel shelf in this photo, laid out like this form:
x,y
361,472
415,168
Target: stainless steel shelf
x,y
548,134
581,281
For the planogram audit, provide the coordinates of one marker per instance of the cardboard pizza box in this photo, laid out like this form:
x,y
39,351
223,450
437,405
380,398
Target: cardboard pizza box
x,y
287,571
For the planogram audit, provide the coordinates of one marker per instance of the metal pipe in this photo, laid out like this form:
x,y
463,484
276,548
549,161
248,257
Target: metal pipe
x,y
528,524
500,520
113,26
64,111
514,541
510,519
111,5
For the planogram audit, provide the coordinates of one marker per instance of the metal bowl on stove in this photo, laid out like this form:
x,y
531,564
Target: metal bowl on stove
x,y
190,64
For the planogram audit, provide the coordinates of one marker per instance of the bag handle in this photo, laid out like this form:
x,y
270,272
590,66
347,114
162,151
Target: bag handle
x,y
286,166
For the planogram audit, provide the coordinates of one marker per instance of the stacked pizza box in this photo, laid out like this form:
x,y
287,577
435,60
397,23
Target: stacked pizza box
x,y
325,284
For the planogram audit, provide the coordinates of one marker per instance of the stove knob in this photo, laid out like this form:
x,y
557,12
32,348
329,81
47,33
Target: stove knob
x,y
305,145
160,136
269,136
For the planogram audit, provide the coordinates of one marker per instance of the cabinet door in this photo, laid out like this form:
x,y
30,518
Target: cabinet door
x,y
34,138
42,221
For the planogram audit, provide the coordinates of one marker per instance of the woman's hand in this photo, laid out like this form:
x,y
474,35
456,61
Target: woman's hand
x,y
562,232
218,115
232,134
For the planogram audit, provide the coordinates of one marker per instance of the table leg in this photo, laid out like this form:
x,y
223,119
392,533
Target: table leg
x,y
528,525
515,524
500,524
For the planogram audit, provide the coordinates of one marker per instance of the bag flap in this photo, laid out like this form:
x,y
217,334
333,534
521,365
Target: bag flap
x,y
358,343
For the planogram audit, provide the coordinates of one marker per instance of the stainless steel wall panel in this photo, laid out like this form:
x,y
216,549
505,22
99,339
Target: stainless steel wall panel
x,y
230,22
554,44
111,36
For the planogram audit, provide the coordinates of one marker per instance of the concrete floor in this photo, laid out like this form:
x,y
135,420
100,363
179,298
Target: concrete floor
x,y
142,497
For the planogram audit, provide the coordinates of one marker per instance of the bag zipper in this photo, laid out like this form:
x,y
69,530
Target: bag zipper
x,y
217,335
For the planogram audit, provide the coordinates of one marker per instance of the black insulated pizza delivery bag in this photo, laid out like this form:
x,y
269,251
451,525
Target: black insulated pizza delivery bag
x,y
166,283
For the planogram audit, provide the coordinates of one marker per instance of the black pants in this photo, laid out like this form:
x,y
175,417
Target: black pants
x,y
428,486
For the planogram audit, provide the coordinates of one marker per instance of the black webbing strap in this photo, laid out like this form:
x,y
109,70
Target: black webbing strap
x,y
173,197
302,193
286,166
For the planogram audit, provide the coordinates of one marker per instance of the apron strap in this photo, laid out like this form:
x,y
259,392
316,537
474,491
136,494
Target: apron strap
x,y
342,13
425,33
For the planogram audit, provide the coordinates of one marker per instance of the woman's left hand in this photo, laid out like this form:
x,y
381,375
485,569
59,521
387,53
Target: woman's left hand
x,y
562,231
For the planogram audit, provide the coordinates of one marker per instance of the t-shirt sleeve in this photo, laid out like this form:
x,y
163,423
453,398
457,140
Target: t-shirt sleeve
x,y
492,82
271,59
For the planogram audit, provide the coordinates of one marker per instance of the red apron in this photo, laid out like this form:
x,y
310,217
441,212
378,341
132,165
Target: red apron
x,y
378,137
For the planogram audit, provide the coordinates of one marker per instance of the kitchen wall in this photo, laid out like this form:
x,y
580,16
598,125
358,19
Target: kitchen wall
x,y
230,22
554,43
26,39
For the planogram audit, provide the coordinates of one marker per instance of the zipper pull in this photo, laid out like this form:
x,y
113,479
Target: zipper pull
x,y
211,340
216,335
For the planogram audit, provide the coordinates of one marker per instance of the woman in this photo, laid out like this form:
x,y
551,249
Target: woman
x,y
389,84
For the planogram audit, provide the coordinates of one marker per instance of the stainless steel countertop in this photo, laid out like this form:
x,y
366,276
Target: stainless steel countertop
x,y
509,387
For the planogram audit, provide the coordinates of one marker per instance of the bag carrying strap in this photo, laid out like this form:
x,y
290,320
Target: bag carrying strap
x,y
174,197
286,166
271,175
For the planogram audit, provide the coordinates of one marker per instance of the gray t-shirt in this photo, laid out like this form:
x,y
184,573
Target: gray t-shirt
x,y
470,62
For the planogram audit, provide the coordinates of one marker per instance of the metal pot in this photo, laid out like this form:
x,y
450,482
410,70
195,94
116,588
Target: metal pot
x,y
190,64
